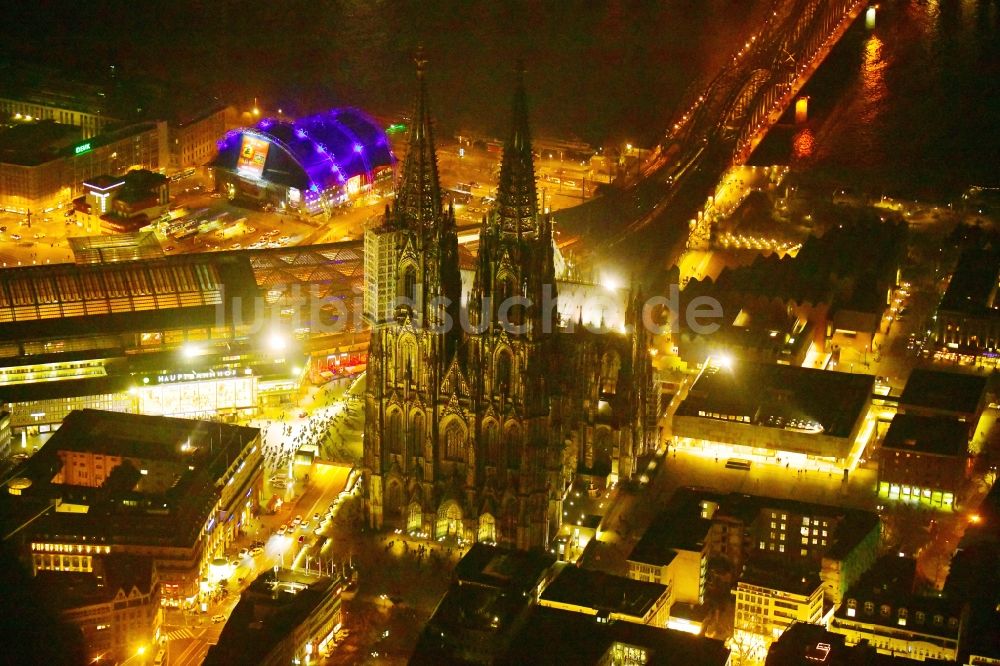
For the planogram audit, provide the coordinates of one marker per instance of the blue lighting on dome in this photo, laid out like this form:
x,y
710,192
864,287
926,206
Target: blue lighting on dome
x,y
317,154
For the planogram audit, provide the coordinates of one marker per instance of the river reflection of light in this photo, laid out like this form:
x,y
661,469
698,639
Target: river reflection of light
x,y
873,75
803,144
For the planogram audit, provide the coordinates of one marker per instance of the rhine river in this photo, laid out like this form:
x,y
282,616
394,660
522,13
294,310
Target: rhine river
x,y
910,108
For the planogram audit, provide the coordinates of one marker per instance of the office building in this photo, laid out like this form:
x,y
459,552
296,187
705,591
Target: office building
x,y
175,491
43,164
771,596
554,636
284,617
835,543
924,460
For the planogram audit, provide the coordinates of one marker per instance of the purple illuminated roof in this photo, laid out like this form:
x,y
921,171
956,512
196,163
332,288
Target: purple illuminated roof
x,y
316,152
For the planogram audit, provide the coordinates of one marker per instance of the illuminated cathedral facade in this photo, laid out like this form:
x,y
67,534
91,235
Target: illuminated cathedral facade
x,y
482,413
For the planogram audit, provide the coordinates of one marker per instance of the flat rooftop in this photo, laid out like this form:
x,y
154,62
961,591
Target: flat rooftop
x,y
945,391
502,568
780,396
554,636
269,611
603,592
935,435
670,532
146,436
194,455
780,576
683,524
31,143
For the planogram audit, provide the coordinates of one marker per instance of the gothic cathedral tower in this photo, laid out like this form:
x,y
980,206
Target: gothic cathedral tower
x,y
463,429
412,290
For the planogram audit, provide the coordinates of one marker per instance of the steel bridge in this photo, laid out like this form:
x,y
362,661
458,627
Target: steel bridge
x,y
719,126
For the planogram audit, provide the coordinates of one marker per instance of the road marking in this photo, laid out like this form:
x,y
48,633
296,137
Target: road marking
x,y
184,632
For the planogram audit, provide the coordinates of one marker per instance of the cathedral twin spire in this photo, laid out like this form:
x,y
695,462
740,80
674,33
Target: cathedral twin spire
x,y
517,198
418,204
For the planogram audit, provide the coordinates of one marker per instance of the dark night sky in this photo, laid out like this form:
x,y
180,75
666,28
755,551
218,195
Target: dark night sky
x,y
612,70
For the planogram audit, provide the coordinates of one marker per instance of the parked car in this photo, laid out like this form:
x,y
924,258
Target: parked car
x,y
218,618
244,552
298,519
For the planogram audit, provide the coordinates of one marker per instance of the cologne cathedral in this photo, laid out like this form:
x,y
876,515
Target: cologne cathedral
x,y
483,412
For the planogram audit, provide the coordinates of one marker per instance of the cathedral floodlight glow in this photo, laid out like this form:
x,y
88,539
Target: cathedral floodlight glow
x,y
478,432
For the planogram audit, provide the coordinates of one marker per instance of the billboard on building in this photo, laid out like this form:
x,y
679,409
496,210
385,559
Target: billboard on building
x,y
253,154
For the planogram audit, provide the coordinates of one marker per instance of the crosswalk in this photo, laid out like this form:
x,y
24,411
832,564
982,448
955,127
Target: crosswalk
x,y
183,632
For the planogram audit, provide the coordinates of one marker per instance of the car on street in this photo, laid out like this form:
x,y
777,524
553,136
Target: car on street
x,y
256,550
282,530
244,552
304,525
316,516
218,618
298,519
302,539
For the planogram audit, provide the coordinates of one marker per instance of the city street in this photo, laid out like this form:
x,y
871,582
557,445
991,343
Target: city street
x,y
190,633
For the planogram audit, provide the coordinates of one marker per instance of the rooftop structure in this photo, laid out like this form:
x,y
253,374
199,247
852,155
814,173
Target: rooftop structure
x,y
284,616
107,249
797,399
492,592
501,568
973,286
837,543
924,459
32,143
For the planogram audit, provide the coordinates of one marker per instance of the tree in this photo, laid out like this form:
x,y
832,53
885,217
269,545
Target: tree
x,y
749,642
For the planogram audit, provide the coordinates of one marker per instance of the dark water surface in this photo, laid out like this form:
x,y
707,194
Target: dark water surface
x,y
909,108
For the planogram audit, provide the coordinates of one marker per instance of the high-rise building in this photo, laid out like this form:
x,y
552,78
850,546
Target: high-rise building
x,y
478,420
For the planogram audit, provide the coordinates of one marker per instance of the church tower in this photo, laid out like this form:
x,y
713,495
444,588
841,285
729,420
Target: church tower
x,y
412,295
476,433
513,352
